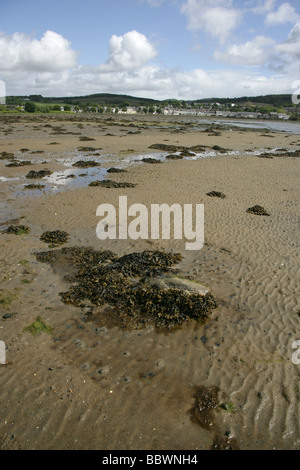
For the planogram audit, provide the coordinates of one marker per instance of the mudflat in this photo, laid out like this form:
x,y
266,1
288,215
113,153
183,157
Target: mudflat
x,y
77,376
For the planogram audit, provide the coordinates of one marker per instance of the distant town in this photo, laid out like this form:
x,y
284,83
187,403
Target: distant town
x,y
268,107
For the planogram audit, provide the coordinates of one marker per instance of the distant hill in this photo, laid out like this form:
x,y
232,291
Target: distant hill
x,y
115,100
277,101
101,99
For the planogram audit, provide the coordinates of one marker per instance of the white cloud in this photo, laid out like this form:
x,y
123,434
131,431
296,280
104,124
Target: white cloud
x,y
255,52
128,52
152,82
263,6
291,47
51,53
285,14
216,17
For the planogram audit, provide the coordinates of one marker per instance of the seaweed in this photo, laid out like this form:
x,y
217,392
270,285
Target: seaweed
x,y
6,156
34,186
38,174
55,238
219,149
174,157
216,194
17,229
257,210
112,184
16,163
86,139
86,164
151,160
116,170
87,149
127,283
38,326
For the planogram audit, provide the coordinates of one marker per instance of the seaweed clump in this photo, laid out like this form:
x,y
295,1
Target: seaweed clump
x,y
16,163
116,170
55,238
86,164
257,210
17,229
112,184
6,156
216,194
126,283
34,186
32,174
151,160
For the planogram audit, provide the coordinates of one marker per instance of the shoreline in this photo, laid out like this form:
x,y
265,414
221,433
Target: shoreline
x,y
92,385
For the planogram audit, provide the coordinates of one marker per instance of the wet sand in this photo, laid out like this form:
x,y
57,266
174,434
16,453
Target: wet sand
x,y
89,384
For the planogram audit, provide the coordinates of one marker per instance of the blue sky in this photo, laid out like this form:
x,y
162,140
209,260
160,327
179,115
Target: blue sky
x,y
185,49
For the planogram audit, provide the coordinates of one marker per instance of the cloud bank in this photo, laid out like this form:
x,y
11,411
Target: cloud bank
x,y
261,65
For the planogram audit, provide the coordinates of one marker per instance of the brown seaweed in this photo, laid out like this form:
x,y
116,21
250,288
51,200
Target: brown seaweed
x,y
216,194
55,238
17,229
112,184
16,163
125,283
257,210
86,164
38,174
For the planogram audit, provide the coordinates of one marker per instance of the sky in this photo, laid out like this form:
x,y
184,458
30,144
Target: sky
x,y
160,49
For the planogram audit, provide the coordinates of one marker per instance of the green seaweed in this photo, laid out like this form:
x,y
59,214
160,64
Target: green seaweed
x,y
38,326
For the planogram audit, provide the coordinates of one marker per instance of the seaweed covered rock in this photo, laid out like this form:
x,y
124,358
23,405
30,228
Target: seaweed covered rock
x,y
55,238
86,164
32,174
138,285
257,210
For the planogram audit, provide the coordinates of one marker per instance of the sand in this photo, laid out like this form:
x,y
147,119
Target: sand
x,y
89,384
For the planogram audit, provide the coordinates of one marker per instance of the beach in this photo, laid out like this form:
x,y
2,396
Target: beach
x,y
89,382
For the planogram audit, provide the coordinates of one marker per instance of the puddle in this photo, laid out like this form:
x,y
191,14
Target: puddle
x,y
71,177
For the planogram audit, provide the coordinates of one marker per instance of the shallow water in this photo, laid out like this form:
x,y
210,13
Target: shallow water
x,y
72,177
279,126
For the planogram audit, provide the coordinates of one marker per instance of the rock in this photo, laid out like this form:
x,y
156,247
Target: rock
x,y
181,284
